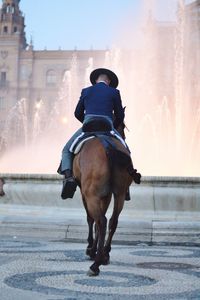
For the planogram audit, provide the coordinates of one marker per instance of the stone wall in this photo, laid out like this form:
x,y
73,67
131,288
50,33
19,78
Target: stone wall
x,y
177,194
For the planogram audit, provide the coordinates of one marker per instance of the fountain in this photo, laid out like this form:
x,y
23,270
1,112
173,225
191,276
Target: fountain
x,y
159,87
162,114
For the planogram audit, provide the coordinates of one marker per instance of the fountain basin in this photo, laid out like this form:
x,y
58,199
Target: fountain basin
x,y
162,210
177,194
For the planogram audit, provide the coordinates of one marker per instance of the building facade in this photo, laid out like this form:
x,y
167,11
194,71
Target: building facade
x,y
29,74
168,65
192,23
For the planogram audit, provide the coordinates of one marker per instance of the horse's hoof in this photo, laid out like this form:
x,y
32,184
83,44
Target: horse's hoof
x,y
92,272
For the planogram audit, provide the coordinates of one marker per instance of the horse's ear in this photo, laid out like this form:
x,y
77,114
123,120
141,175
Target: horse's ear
x,y
124,108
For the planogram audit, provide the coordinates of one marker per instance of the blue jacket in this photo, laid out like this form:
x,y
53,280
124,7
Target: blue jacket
x,y
100,99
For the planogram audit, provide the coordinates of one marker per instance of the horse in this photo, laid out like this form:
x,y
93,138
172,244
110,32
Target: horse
x,y
101,173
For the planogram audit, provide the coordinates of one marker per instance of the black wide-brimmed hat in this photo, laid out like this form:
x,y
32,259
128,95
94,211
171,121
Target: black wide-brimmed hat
x,y
111,75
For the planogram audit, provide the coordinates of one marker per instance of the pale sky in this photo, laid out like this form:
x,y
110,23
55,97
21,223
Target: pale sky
x,y
75,23
85,23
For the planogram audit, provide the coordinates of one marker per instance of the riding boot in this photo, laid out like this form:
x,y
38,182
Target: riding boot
x,y
136,176
1,187
69,185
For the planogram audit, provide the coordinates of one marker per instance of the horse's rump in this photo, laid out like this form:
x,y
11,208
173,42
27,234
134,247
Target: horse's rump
x,y
102,160
91,168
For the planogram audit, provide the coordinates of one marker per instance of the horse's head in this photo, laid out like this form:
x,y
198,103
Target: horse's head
x,y
120,126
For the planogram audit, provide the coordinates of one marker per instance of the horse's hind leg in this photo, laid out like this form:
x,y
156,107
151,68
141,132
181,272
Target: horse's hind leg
x,y
99,258
118,206
92,244
100,221
104,206
91,248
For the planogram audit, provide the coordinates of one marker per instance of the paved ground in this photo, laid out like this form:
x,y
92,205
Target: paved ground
x,y
46,269
178,228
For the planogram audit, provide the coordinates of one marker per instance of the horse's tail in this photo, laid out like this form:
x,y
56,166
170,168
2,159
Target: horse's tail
x,y
115,156
119,158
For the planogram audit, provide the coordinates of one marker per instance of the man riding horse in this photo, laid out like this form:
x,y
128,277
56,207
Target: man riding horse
x,y
101,100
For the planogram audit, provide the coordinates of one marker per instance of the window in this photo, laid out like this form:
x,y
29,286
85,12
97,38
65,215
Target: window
x,y
15,29
24,72
3,79
2,103
5,29
51,77
2,123
13,9
64,75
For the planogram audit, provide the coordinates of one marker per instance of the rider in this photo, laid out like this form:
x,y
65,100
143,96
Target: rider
x,y
102,99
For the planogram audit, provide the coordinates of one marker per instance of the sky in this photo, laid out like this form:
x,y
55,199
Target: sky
x,y
85,24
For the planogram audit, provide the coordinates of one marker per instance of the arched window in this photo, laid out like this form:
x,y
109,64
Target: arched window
x,y
5,29
64,75
50,77
2,103
13,8
3,78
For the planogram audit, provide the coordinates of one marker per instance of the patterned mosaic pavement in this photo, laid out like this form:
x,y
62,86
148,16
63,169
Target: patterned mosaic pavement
x,y
55,270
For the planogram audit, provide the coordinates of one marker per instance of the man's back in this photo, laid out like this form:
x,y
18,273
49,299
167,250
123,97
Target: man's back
x,y
100,99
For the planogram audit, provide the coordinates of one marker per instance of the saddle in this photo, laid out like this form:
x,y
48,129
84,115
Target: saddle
x,y
95,127
97,124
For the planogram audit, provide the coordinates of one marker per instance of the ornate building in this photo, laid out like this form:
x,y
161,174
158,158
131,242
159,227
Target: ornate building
x,y
26,73
159,81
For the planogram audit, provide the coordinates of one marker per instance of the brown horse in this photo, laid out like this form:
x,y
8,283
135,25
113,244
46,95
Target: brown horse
x,y
101,175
